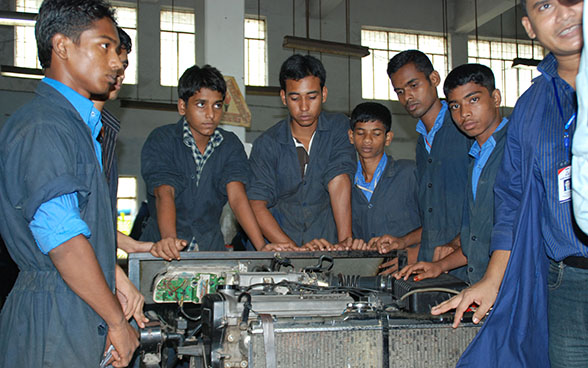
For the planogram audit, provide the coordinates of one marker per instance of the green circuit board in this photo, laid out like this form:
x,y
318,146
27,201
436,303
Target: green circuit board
x,y
185,287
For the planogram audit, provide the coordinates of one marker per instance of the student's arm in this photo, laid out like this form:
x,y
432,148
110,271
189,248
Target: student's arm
x,y
427,270
443,251
242,209
386,243
169,246
131,245
268,224
77,264
340,194
483,293
130,299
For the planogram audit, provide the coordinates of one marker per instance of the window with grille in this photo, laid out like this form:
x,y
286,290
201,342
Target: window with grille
x,y
383,46
126,18
178,44
25,45
498,56
255,52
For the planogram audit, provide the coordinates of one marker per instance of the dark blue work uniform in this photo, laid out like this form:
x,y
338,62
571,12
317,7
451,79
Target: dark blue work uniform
x,y
46,151
478,215
393,208
302,207
166,160
442,179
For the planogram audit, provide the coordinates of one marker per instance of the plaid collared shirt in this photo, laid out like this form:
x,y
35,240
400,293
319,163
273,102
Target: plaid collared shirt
x,y
199,158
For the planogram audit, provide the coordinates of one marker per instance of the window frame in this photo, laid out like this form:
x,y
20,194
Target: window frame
x,y
502,79
246,48
391,52
177,34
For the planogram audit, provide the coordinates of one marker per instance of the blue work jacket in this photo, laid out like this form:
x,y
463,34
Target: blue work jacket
x,y
302,207
442,180
478,215
166,160
393,208
46,150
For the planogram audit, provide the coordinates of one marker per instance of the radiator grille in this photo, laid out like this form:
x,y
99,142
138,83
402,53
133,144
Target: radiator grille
x,y
409,346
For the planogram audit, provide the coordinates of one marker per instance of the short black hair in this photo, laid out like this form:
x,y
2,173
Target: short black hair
x,y
68,17
299,66
371,111
125,40
524,6
466,73
418,58
196,78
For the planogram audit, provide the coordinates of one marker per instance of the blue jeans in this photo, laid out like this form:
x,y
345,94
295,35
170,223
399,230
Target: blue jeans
x,y
568,316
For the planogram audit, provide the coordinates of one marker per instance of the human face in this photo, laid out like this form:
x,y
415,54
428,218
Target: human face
x,y
304,99
415,91
370,138
475,110
203,112
124,59
91,65
556,24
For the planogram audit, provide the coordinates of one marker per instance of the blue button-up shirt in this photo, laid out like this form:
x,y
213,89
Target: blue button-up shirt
x,y
481,156
430,136
58,220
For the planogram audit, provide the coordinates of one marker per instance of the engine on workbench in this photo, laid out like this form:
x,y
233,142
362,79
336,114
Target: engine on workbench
x,y
273,313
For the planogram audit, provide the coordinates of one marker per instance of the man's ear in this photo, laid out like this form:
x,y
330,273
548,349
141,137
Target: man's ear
x,y
325,92
434,78
350,134
283,96
389,137
181,107
60,44
528,27
497,97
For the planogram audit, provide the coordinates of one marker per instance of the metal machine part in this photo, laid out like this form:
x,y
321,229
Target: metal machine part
x,y
278,312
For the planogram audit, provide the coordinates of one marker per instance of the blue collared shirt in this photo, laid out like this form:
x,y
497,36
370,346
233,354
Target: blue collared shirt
x,y
481,155
368,188
422,129
58,220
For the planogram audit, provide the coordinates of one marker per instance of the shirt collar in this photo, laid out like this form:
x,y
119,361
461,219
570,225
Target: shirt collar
x,y
422,129
490,143
215,139
548,67
89,114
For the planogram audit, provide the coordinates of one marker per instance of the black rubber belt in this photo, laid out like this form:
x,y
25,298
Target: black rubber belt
x,y
385,341
269,340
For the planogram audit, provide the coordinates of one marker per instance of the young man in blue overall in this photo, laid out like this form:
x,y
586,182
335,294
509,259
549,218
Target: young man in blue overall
x,y
57,220
300,188
192,168
474,103
441,158
384,196
537,276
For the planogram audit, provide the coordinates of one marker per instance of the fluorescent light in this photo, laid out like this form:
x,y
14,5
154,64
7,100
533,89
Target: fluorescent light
x,y
523,63
148,105
338,48
20,72
10,18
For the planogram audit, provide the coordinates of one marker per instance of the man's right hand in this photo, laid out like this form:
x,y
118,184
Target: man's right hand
x,y
386,243
318,245
125,340
279,247
423,270
168,248
483,294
